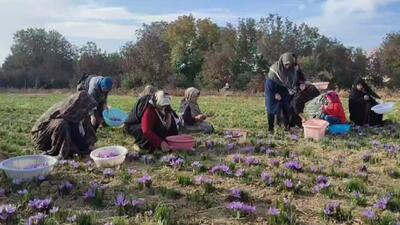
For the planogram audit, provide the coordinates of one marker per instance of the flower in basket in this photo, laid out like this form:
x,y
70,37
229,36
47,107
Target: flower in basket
x,y
145,181
109,154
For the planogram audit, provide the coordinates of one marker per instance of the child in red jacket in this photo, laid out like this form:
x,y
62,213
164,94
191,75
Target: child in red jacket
x,y
334,112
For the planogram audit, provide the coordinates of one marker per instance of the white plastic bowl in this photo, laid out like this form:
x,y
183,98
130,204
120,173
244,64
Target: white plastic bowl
x,y
18,167
383,108
111,161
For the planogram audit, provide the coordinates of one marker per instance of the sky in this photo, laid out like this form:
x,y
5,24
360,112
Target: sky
x,y
111,23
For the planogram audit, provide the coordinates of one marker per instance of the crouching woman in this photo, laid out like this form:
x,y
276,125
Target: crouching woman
x,y
65,129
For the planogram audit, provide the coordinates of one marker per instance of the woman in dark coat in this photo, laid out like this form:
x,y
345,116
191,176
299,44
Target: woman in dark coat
x,y
65,129
151,121
361,100
283,81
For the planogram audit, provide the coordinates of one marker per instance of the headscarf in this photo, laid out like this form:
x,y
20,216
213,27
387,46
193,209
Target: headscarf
x,y
280,75
367,89
148,90
333,97
73,109
161,100
191,96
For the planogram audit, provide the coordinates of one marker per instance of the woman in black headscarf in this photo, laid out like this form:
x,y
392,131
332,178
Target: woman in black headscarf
x,y
361,100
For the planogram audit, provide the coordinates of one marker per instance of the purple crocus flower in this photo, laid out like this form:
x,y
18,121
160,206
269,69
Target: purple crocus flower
x,y
132,171
221,169
267,178
230,146
237,158
89,194
251,161
369,214
210,144
37,219
288,183
331,208
6,212
167,159
241,207
65,188
146,181
22,192
203,180
177,163
240,173
382,203
275,163
40,204
273,211
357,195
236,193
108,172
322,183
270,152
74,164
294,165
121,201
294,137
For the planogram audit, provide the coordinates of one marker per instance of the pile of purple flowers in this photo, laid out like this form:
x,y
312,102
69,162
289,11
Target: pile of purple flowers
x,y
145,181
36,166
241,207
7,212
110,154
294,165
251,161
322,184
332,209
65,188
41,205
37,219
267,178
221,169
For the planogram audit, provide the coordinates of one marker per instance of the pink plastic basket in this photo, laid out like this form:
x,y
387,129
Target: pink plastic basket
x,y
315,129
181,142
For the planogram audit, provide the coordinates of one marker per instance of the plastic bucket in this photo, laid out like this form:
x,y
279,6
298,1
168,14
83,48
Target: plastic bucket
x,y
339,129
181,142
383,108
109,156
114,117
315,129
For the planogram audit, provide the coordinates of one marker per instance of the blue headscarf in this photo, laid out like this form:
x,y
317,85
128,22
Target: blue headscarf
x,y
106,84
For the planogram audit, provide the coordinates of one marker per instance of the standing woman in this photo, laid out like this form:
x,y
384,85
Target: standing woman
x,y
283,80
361,100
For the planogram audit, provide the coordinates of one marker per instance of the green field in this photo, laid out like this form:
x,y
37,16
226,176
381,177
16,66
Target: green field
x,y
339,159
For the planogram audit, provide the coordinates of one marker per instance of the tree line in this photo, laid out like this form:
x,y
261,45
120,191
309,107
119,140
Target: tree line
x,y
198,52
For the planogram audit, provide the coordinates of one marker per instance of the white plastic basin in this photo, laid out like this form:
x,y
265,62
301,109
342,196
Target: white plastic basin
x,y
383,108
28,167
100,160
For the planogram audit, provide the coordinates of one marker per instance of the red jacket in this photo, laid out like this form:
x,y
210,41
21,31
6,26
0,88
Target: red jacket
x,y
336,110
148,122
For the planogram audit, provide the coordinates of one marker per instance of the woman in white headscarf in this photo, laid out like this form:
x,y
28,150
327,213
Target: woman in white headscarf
x,y
193,118
153,121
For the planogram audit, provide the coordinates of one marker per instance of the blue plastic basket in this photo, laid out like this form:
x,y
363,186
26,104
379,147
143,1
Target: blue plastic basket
x,y
114,117
339,129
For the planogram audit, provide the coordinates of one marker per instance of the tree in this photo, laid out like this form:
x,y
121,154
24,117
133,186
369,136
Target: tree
x,y
148,60
390,53
39,59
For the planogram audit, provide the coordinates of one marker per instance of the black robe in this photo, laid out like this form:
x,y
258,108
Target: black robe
x,y
360,109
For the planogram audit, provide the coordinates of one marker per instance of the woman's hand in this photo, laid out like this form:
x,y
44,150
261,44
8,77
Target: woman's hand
x,y
366,97
278,97
200,117
303,119
165,147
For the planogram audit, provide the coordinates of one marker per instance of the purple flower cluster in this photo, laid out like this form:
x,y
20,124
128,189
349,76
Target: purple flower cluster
x,y
200,180
177,163
241,207
294,165
110,154
331,209
267,178
251,161
65,188
121,201
383,202
322,184
240,173
247,149
7,212
369,214
237,158
41,205
37,219
273,211
146,181
221,169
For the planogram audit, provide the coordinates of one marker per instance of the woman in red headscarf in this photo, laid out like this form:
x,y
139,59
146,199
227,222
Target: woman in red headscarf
x,y
333,112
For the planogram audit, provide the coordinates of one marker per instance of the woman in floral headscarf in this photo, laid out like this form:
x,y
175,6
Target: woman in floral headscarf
x,y
193,118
